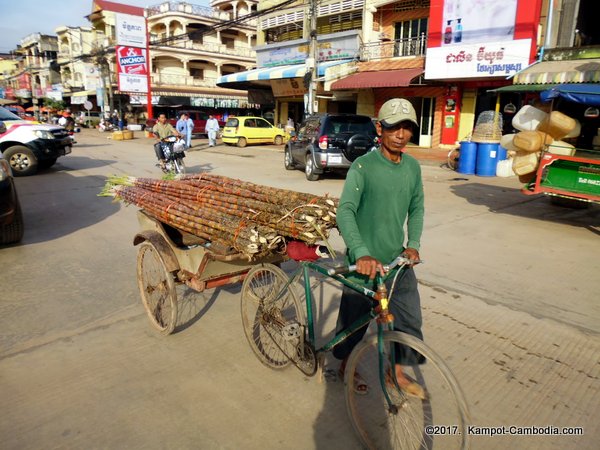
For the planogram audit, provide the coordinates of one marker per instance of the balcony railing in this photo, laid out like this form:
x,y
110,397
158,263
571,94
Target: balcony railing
x,y
161,79
400,47
222,49
203,11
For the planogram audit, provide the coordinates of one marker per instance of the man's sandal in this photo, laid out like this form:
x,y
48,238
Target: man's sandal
x,y
360,385
412,388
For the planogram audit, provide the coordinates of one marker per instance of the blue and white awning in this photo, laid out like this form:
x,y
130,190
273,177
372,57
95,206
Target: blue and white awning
x,y
276,73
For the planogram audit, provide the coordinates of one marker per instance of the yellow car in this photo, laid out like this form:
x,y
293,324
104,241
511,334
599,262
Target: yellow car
x,y
242,131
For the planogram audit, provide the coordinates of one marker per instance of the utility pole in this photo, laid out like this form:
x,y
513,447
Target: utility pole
x,y
311,61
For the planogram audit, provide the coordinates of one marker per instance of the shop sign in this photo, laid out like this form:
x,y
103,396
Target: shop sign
x,y
57,95
329,49
130,30
480,38
287,87
497,59
132,69
143,99
215,102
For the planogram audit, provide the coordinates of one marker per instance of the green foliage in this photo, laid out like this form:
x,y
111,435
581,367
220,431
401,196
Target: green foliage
x,y
55,104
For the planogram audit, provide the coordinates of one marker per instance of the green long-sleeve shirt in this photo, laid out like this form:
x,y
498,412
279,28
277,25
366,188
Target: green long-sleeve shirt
x,y
378,199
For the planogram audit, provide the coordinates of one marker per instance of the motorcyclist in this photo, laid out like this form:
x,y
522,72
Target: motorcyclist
x,y
161,130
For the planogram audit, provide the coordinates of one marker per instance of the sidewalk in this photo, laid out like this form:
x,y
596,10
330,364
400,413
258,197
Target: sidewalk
x,y
429,156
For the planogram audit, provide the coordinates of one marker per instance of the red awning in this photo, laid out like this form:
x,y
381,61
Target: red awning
x,y
379,79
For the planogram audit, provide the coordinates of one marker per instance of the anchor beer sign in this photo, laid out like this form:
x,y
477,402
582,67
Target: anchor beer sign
x,y
132,69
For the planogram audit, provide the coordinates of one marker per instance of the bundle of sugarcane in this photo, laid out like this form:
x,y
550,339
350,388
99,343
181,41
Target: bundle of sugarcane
x,y
250,218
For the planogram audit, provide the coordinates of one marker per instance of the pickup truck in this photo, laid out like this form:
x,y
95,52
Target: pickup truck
x,y
28,145
199,118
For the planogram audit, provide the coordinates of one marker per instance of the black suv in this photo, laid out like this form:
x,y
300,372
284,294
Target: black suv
x,y
328,142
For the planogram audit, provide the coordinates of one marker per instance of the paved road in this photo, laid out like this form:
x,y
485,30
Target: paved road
x,y
509,296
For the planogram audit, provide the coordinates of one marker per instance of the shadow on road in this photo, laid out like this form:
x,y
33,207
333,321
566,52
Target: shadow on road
x,y
512,201
56,203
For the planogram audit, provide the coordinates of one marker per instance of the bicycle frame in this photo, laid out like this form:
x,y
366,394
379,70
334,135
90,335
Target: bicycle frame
x,y
384,318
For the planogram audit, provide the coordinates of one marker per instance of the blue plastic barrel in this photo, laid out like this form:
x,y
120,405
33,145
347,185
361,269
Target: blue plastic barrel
x,y
486,160
502,154
467,158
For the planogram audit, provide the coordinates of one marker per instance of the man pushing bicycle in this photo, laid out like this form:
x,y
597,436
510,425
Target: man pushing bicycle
x,y
383,192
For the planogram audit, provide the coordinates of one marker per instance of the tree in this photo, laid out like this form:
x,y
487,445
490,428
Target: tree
x,y
54,104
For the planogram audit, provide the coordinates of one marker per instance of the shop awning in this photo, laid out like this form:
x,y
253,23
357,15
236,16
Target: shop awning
x,y
379,79
557,72
586,94
276,73
522,88
83,93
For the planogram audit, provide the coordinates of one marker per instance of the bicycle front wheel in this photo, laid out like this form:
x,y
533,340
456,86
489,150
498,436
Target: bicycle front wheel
x,y
272,316
437,422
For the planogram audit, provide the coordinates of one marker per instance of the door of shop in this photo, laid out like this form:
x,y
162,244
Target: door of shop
x,y
426,121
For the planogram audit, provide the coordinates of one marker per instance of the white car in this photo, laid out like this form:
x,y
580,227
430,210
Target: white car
x,y
28,145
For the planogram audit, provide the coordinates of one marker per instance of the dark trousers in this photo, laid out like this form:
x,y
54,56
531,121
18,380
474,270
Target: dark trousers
x,y
405,305
158,151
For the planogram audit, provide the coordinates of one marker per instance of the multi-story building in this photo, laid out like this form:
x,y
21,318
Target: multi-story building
x,y
37,70
79,75
366,52
191,46
391,63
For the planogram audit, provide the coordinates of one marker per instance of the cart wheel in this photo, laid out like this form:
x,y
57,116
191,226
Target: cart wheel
x,y
157,288
272,316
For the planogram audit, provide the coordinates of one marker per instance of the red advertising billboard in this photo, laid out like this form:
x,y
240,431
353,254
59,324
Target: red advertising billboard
x,y
132,69
481,38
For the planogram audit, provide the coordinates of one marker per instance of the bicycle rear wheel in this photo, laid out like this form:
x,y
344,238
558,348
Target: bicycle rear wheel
x,y
272,316
437,422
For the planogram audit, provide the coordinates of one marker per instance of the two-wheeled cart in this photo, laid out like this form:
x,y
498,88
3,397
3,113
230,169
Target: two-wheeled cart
x,y
168,256
570,178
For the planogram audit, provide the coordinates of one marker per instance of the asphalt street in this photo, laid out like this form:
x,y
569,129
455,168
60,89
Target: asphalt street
x,y
509,292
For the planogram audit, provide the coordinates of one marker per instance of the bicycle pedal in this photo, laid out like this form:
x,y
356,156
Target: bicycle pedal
x,y
291,331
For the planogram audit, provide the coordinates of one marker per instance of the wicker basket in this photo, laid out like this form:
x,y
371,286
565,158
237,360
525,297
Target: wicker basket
x,y
488,129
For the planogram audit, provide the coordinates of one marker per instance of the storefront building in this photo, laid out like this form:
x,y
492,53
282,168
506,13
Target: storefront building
x,y
474,51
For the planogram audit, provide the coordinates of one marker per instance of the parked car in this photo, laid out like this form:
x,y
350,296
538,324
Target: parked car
x,y
242,131
329,142
199,118
28,146
11,217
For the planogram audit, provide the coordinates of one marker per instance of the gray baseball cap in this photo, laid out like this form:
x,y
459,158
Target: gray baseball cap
x,y
395,111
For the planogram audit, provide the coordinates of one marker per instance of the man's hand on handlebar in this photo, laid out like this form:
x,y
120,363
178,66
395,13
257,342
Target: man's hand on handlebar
x,y
413,255
367,265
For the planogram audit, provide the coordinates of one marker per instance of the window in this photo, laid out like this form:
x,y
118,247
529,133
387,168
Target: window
x,y
261,123
250,123
410,37
287,32
197,73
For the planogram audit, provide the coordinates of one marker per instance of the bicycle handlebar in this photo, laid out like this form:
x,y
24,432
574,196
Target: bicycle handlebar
x,y
399,261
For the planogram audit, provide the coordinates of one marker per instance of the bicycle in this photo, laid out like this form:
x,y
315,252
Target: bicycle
x,y
386,416
452,159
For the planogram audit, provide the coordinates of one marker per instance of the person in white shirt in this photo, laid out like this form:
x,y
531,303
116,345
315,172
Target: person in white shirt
x,y
211,129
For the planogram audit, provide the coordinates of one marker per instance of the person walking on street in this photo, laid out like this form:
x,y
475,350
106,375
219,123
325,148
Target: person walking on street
x,y
161,130
185,126
211,129
189,131
181,124
383,191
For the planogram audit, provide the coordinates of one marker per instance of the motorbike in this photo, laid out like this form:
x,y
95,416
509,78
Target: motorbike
x,y
174,150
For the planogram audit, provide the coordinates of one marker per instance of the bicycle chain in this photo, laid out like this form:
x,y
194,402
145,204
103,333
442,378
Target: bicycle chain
x,y
311,367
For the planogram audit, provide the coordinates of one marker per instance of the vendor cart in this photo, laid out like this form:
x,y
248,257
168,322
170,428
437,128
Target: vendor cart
x,y
571,177
168,256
